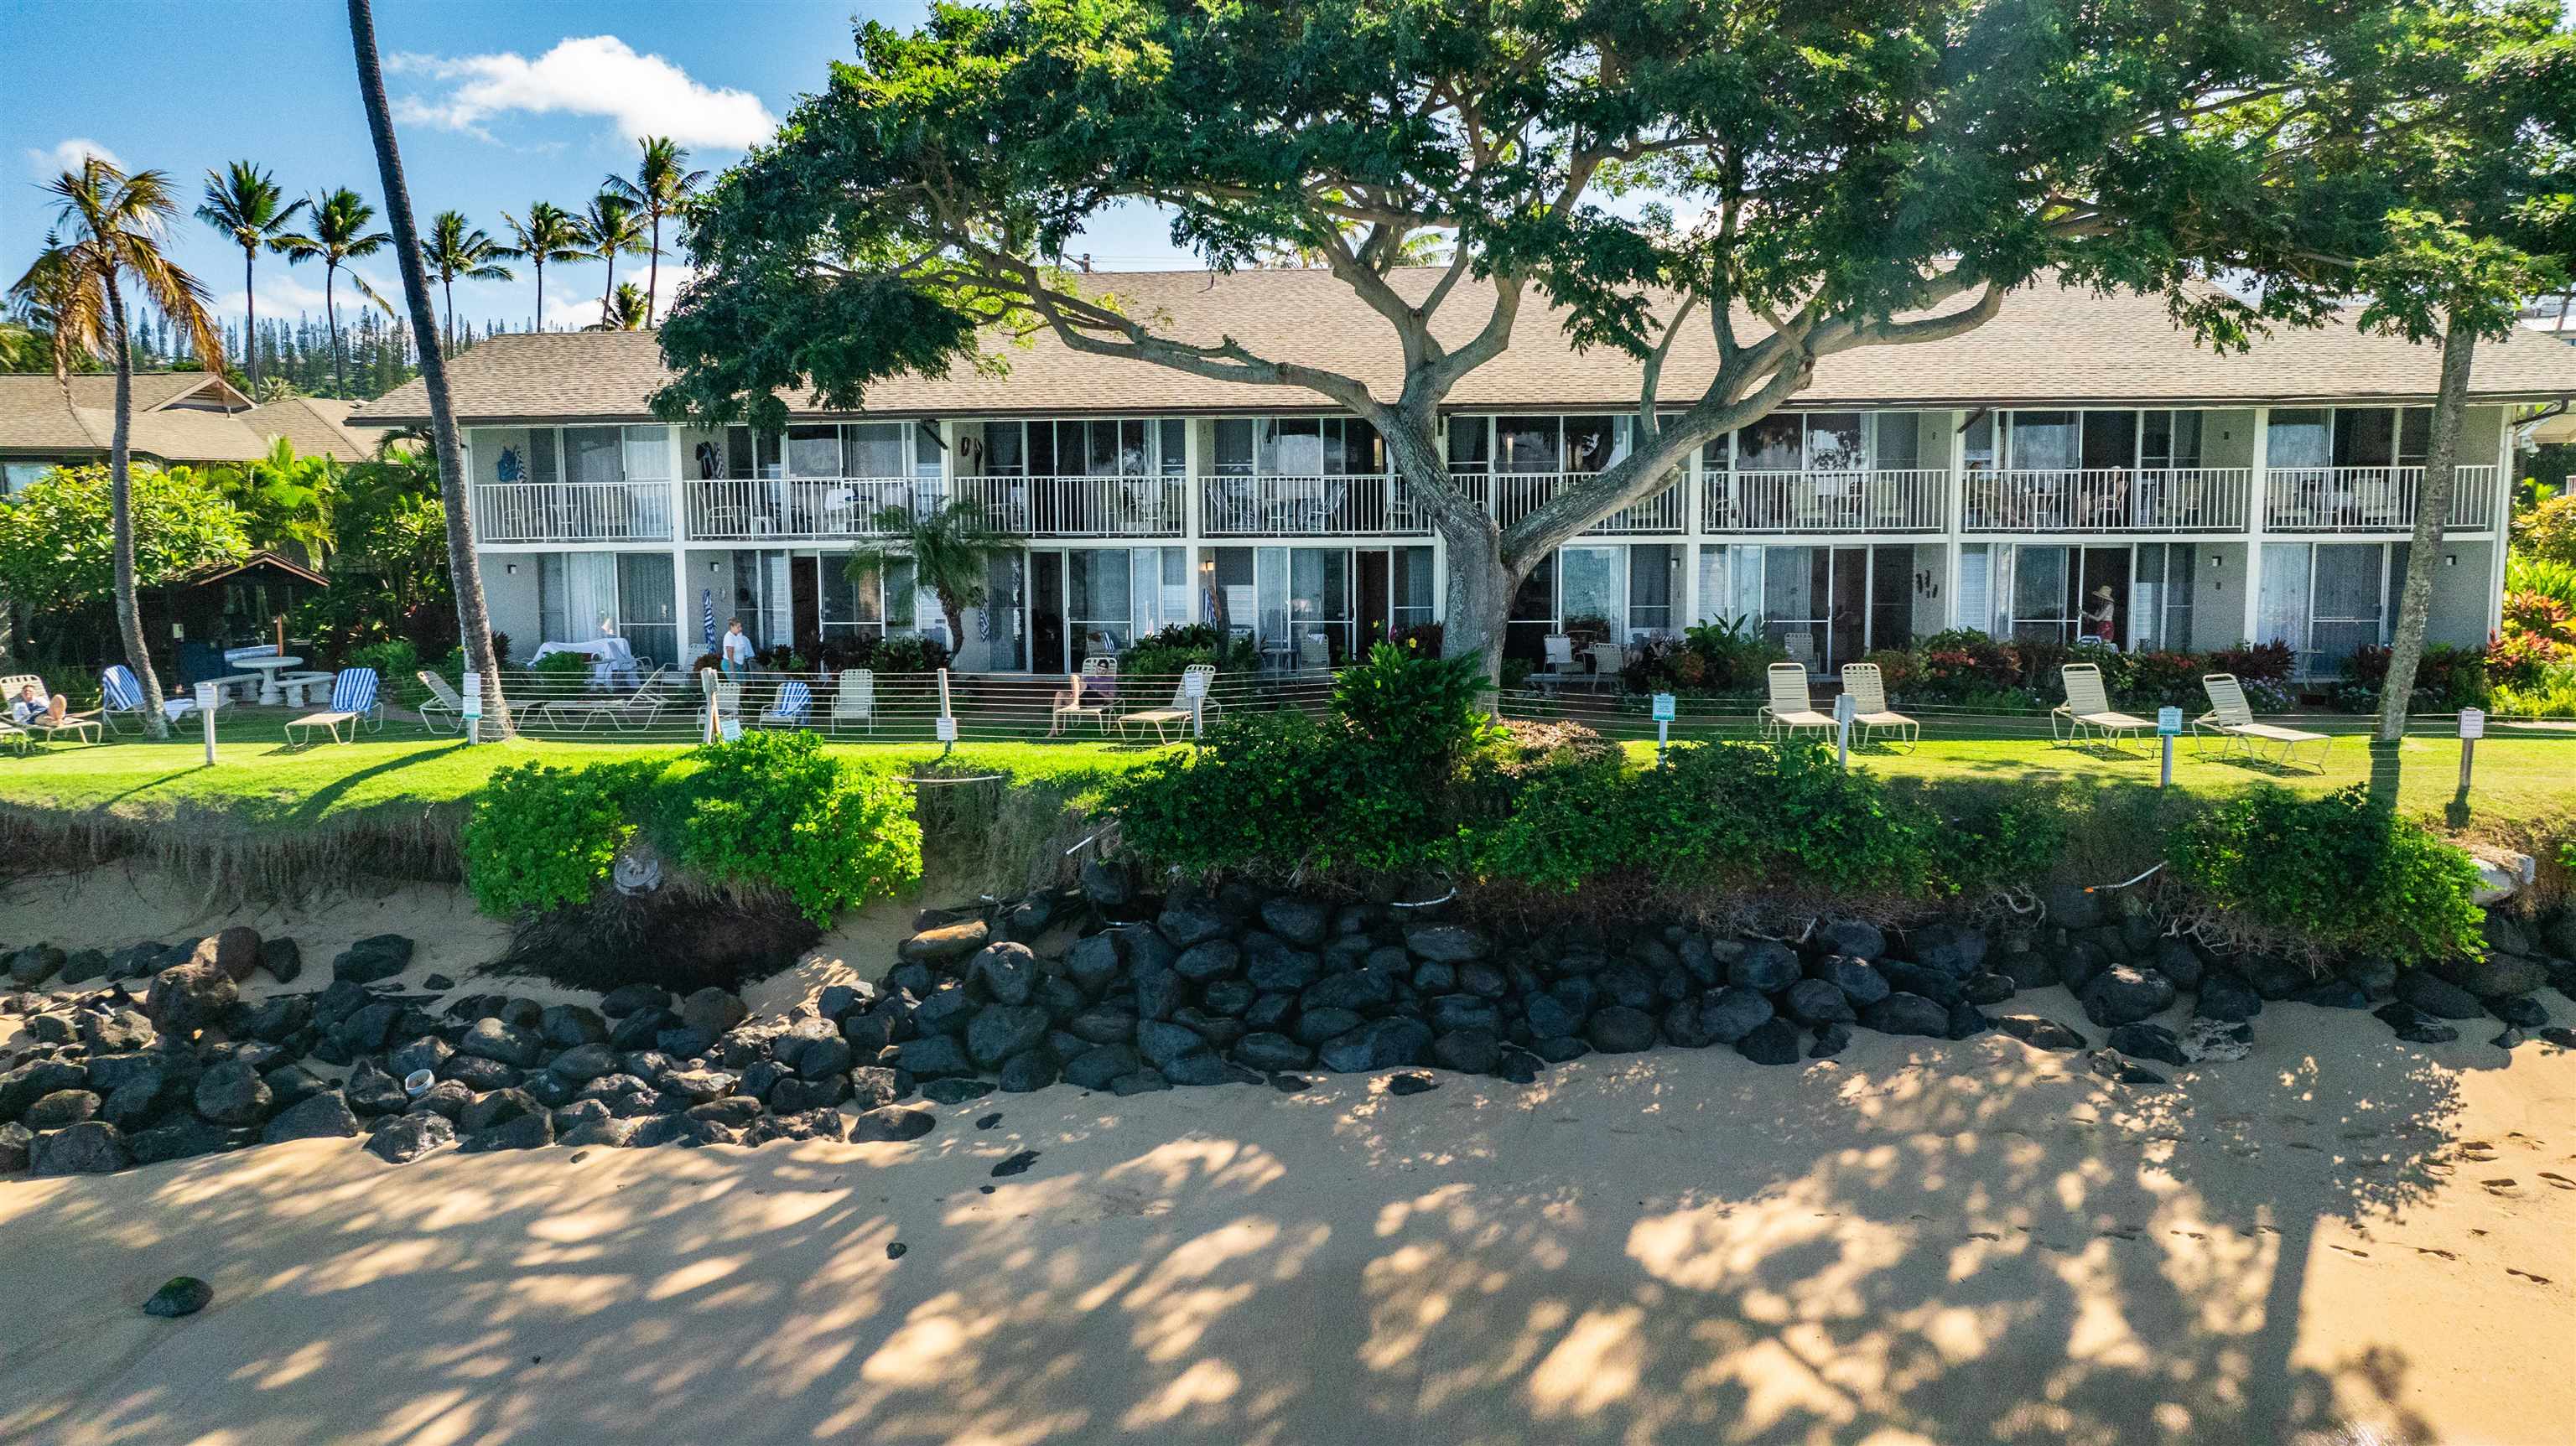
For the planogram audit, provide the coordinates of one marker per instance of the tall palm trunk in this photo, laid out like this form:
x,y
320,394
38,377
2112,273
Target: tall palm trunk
x,y
120,506
447,288
653,270
541,295
473,618
331,309
610,291
2432,512
250,319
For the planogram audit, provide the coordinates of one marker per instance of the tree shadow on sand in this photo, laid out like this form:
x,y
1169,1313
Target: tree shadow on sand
x,y
1962,1242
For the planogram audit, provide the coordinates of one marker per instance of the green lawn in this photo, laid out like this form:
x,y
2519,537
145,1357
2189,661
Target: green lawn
x,y
258,785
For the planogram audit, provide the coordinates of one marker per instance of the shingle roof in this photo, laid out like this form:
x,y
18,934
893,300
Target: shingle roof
x,y
169,420
2051,344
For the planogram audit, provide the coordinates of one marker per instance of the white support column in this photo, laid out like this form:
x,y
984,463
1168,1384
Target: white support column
x,y
2500,507
1954,517
1694,519
2257,510
1193,526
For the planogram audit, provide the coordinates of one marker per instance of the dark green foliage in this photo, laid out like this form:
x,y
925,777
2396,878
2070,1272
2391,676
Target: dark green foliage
x,y
772,811
1424,710
2334,870
1165,653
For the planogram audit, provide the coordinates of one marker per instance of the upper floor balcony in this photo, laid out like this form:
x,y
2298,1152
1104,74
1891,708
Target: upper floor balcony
x,y
1513,496
2370,499
2106,499
1244,505
1846,500
521,512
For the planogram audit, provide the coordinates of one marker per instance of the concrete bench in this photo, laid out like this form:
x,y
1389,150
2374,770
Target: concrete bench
x,y
293,685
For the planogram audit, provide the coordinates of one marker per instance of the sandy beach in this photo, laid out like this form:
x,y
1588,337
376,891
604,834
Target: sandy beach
x,y
2341,1238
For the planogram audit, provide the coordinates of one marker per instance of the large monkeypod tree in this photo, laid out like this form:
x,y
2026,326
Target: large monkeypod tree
x,y
1788,181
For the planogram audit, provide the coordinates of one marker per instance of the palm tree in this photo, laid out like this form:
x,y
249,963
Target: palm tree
x,y
457,249
950,549
549,234
663,186
628,310
243,201
473,618
610,227
109,227
340,236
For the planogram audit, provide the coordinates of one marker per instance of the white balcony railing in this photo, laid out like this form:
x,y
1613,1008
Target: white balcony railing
x,y
2370,499
1511,496
1865,500
1345,506
1132,506
743,509
572,511
2107,499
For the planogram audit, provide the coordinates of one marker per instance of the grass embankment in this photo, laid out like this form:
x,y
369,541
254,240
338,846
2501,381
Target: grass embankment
x,y
266,815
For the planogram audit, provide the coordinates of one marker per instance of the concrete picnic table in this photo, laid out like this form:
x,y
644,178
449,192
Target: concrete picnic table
x,y
269,666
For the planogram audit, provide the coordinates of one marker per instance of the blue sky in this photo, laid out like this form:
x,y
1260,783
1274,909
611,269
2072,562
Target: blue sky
x,y
497,104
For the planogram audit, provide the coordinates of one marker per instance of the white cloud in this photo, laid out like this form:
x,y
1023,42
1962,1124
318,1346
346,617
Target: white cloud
x,y
67,155
595,75
283,293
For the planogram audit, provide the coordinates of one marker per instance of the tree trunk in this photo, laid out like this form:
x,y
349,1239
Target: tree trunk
x,y
473,619
1480,583
541,295
447,288
2432,511
250,320
331,309
120,506
608,289
653,272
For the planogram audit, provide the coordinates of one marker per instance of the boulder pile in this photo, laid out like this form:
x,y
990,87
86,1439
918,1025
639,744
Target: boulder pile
x,y
152,1053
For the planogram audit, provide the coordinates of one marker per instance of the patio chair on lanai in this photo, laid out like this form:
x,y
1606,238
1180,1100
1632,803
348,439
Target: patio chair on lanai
x,y
1868,690
1187,701
2232,719
1790,709
353,704
854,698
625,712
2088,707
121,696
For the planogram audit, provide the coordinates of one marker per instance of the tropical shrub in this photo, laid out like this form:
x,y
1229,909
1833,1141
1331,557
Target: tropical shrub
x,y
1427,711
2547,532
1181,645
2447,678
772,810
540,837
2332,870
559,665
1963,664
2551,694
56,546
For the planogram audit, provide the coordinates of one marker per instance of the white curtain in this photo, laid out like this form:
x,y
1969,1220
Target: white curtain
x,y
2000,589
590,593
1744,565
1976,606
2282,616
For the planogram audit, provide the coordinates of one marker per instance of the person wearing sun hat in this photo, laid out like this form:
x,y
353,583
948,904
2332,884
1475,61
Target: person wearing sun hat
x,y
2098,616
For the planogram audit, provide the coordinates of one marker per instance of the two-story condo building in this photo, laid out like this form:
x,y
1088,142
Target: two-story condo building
x,y
2002,480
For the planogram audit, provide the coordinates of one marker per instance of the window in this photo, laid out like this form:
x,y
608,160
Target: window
x,y
1115,595
877,449
2300,437
1471,445
865,608
2169,439
1596,588
644,608
2045,441
814,451
1900,440
1528,444
1653,571
1319,447
1410,580
1834,442
15,476
1777,443
1106,447
2041,608
2160,596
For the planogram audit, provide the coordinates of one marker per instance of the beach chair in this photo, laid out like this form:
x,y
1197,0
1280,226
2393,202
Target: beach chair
x,y
1187,701
626,712
792,708
1868,690
2088,707
1790,709
854,698
84,726
354,704
1561,669
444,710
120,696
1080,700
2231,719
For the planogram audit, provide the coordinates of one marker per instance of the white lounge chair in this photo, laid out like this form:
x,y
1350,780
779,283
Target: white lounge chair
x,y
84,726
1868,690
120,696
1188,700
444,710
626,712
792,708
1077,702
1790,709
354,704
2231,719
854,698
2088,708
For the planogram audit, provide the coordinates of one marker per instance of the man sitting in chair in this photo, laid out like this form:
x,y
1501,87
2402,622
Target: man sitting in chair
x,y
31,706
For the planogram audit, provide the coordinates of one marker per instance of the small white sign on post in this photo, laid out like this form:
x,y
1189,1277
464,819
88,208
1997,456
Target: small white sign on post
x,y
1663,723
2169,721
730,729
947,729
470,695
2168,727
208,695
1663,707
2473,723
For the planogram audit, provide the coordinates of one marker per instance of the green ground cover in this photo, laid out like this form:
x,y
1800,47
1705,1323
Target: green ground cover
x,y
2524,780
